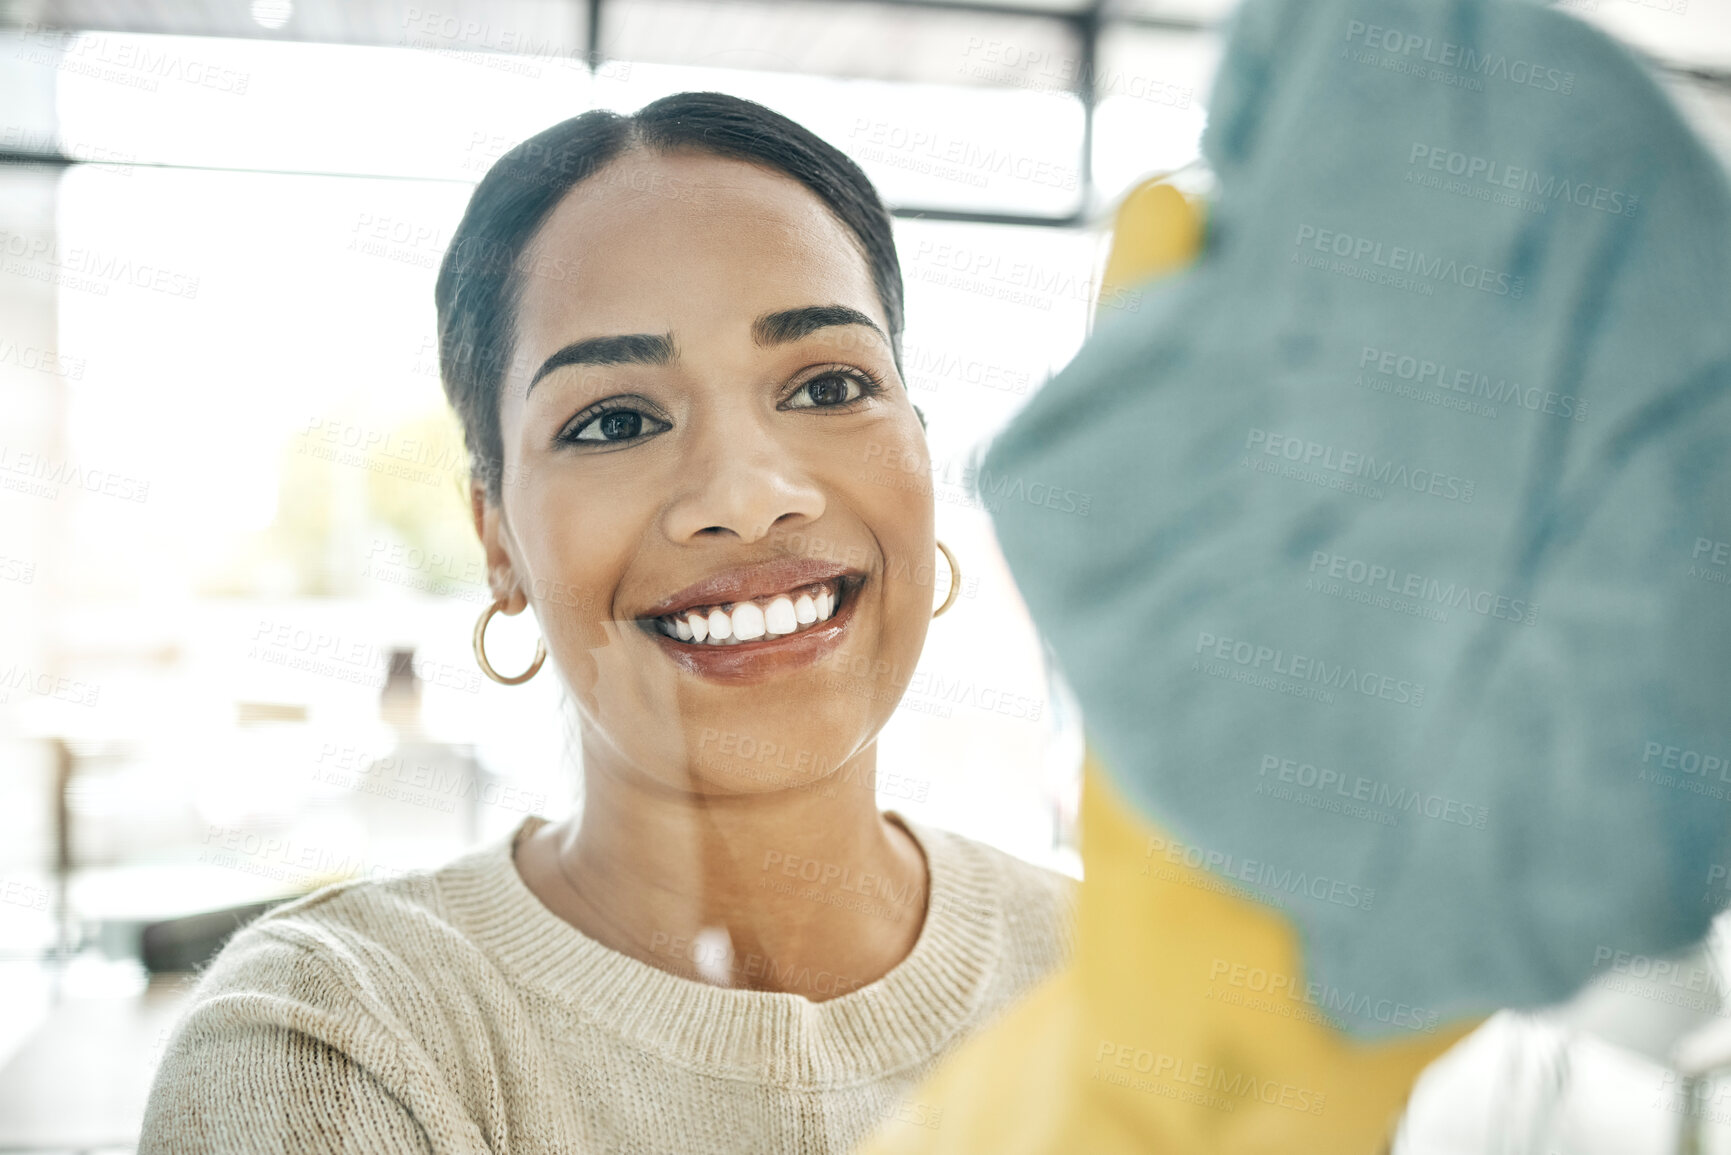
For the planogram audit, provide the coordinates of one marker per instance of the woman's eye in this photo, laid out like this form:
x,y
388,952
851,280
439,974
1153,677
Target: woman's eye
x,y
830,391
615,425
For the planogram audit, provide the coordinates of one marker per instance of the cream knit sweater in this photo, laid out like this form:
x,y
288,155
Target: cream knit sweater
x,y
451,1012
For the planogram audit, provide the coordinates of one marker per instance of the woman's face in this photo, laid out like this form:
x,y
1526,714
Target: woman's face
x,y
703,411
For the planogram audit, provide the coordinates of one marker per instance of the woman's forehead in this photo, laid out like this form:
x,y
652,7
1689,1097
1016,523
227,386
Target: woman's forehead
x,y
652,238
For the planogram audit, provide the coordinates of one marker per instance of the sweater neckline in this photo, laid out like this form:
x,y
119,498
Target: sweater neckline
x,y
901,1020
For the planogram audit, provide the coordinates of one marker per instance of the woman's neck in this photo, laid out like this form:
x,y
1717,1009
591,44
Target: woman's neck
x,y
809,891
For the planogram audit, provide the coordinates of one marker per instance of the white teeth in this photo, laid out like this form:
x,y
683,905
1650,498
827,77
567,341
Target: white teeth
x,y
779,618
748,621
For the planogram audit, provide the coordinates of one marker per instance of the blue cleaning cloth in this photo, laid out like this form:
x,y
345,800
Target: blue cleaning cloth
x,y
1401,596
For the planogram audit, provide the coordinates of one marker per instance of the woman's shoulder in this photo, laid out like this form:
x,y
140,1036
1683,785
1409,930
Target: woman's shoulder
x,y
343,919
357,934
334,1010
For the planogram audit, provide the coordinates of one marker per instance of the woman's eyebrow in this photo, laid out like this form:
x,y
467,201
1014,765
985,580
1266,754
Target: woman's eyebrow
x,y
776,328
792,324
628,348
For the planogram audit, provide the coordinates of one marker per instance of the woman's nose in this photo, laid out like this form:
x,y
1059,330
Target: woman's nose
x,y
741,477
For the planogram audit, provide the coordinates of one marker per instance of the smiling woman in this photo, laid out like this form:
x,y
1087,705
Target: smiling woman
x,y
673,339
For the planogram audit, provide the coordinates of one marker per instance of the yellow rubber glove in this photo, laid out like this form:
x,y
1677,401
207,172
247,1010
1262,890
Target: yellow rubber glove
x,y
1156,229
1183,1024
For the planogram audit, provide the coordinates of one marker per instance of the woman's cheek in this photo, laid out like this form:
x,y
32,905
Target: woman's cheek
x,y
569,579
885,458
894,497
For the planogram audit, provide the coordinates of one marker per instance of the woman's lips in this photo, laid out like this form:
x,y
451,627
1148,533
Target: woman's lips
x,y
765,656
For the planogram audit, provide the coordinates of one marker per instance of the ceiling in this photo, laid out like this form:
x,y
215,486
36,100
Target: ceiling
x,y
953,42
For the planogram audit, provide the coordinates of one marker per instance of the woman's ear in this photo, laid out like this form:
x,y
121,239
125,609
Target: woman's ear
x,y
488,527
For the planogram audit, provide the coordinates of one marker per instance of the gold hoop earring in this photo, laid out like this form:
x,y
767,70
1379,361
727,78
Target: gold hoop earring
x,y
481,651
955,579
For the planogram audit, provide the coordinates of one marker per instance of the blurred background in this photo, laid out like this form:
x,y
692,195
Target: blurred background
x,y
237,577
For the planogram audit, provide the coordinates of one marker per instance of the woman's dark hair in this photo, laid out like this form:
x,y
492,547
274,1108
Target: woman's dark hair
x,y
479,282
